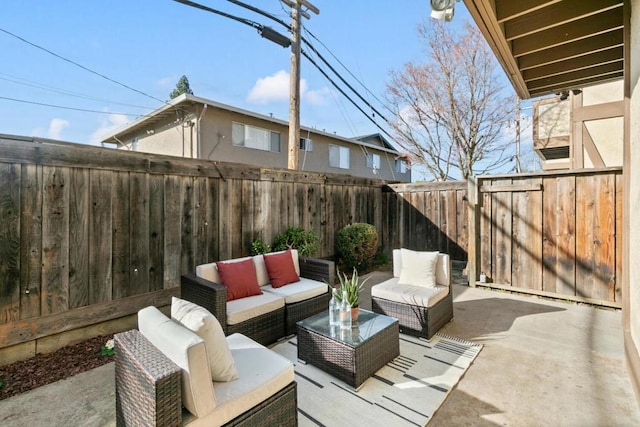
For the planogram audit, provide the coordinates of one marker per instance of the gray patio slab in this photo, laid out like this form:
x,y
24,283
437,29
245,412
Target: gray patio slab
x,y
543,363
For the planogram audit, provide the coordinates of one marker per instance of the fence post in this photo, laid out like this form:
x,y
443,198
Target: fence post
x,y
473,259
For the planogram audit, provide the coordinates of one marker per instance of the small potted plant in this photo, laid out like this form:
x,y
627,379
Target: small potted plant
x,y
351,286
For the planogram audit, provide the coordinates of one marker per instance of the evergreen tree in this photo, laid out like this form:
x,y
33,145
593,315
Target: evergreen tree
x,y
181,87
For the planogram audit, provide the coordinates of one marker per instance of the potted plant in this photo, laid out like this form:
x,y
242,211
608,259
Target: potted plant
x,y
352,288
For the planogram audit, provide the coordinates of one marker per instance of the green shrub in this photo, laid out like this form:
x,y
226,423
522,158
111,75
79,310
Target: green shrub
x,y
258,247
306,242
356,245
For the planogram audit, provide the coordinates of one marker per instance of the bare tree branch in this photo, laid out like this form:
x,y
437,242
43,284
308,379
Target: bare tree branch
x,y
452,112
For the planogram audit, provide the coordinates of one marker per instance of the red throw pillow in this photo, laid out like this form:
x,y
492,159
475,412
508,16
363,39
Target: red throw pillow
x,y
240,278
281,269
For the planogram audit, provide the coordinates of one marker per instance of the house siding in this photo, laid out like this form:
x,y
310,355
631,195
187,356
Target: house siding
x,y
210,138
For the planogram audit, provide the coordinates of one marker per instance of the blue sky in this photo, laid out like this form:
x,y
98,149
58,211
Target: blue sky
x,y
148,45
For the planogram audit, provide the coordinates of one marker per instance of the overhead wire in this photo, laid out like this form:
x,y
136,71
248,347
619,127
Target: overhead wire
x,y
241,20
310,45
349,71
30,83
62,106
80,65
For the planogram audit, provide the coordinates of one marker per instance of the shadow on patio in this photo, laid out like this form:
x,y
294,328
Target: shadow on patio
x,y
543,363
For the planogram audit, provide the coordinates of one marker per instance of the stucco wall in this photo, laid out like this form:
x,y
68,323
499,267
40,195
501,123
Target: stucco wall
x,y
603,93
216,144
608,136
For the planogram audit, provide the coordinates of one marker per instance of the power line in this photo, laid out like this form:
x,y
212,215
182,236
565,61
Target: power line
x,y
37,85
288,27
348,71
345,95
80,65
219,12
308,43
63,107
344,81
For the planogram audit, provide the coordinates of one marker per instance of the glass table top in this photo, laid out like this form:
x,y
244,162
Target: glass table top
x,y
368,325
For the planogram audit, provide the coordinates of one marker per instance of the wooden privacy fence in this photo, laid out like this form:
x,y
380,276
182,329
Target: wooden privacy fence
x,y
432,216
553,234
88,235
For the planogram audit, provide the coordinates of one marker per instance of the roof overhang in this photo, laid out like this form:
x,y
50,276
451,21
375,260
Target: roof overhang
x,y
549,46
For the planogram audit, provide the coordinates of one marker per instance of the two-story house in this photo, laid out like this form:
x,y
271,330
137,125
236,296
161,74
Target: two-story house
x,y
194,127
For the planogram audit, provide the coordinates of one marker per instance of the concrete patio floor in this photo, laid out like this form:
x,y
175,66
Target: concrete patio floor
x,y
543,363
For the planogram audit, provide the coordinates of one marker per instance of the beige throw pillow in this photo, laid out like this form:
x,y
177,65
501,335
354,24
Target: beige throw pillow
x,y
418,268
207,327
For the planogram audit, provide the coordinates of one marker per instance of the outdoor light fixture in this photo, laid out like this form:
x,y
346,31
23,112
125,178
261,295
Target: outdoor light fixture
x,y
442,9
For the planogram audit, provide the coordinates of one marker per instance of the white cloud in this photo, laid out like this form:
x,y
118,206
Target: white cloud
x,y
270,89
112,122
317,97
56,126
275,88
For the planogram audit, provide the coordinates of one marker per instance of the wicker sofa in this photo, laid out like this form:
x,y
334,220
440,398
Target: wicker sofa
x,y
268,317
421,311
163,378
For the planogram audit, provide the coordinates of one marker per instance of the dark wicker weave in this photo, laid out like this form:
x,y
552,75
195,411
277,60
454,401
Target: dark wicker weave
x,y
265,329
148,388
281,409
417,320
353,365
303,309
321,270
269,327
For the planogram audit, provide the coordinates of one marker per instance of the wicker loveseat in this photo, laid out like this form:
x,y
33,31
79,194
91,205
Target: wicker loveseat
x,y
163,378
271,315
421,311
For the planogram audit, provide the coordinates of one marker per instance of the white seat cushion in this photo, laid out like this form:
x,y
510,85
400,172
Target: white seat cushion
x,y
207,327
239,310
262,373
298,291
188,351
409,294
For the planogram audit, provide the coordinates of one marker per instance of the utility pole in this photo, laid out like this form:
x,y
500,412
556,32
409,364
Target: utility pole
x,y
294,78
518,168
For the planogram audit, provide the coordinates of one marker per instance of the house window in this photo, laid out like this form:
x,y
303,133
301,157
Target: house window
x,y
373,161
306,144
338,157
255,137
401,166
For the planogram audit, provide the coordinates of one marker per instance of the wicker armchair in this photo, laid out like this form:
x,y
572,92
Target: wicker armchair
x,y
269,327
415,317
148,391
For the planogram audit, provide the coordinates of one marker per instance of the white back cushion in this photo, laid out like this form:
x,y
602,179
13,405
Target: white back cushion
x,y
261,267
207,327
185,349
443,267
418,268
210,271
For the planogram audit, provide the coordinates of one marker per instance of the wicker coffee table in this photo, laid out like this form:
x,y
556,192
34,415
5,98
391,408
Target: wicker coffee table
x,y
351,356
